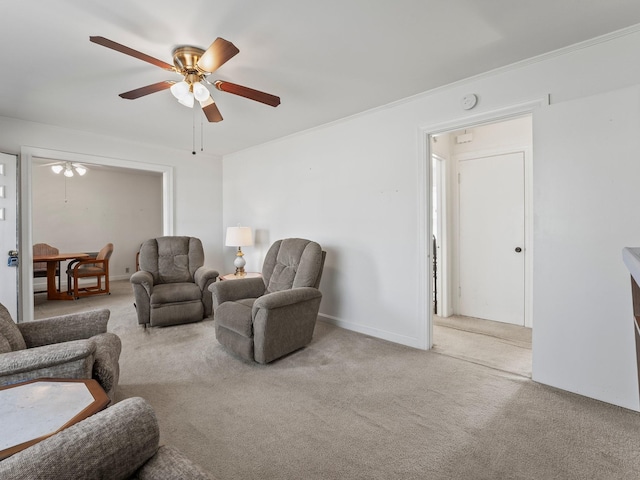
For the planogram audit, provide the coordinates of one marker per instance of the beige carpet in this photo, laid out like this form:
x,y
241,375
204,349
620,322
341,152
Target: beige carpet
x,y
353,407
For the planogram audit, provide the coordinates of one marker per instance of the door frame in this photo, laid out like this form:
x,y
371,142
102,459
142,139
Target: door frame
x,y
27,154
425,255
9,234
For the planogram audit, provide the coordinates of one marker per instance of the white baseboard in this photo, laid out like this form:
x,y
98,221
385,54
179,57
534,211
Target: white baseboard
x,y
374,332
40,284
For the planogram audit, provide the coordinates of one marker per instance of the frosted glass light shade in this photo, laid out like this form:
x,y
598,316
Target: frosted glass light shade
x,y
179,89
187,100
80,170
200,92
239,237
57,168
68,172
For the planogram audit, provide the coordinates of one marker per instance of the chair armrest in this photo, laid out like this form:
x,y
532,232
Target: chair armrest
x,y
286,297
232,290
204,276
49,360
76,264
145,279
106,366
112,444
64,328
169,462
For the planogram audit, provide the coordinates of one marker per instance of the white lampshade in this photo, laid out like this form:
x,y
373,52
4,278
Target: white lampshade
x,y
80,169
179,89
57,168
68,172
239,237
200,92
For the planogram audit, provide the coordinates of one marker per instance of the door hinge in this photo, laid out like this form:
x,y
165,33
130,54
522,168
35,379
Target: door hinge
x,y
459,292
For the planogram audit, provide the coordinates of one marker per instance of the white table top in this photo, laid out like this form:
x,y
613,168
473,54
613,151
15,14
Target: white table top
x,y
232,276
38,409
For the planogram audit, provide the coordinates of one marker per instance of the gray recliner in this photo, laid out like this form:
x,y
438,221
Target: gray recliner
x,y
76,345
172,284
262,319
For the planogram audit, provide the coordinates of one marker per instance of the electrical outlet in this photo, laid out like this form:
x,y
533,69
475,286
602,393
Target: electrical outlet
x,y
126,270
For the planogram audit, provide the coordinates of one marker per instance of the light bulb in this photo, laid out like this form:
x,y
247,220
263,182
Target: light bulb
x,y
68,173
57,168
187,100
200,92
180,89
81,170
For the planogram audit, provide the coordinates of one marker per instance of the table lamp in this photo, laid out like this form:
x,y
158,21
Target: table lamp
x,y
239,237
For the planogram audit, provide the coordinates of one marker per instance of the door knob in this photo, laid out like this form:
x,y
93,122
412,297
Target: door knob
x,y
518,249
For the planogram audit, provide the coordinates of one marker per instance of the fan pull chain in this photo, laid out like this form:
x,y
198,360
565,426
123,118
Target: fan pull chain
x,y
193,151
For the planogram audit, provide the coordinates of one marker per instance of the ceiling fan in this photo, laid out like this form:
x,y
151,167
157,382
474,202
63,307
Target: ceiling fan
x,y
194,64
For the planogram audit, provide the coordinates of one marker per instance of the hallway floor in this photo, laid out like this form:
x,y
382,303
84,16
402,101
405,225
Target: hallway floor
x,y
493,344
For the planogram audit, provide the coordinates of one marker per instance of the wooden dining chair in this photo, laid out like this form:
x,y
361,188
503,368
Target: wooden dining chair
x,y
40,268
87,268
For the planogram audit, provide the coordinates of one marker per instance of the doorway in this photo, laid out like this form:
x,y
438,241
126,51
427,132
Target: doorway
x,y
29,156
481,243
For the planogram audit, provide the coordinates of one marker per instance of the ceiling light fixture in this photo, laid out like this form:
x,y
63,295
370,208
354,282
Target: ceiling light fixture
x,y
69,168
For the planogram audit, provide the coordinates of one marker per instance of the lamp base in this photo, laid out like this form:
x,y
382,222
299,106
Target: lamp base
x,y
239,263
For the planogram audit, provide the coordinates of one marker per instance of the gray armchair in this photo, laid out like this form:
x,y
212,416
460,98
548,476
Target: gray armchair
x,y
172,284
263,319
118,443
69,346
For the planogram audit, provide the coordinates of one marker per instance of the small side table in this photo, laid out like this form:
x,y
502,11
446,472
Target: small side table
x,y
232,276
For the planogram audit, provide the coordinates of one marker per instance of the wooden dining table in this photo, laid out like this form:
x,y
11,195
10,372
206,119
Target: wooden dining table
x,y
53,292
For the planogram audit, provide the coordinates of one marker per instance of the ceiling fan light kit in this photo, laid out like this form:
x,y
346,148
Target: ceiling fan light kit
x,y
67,168
194,64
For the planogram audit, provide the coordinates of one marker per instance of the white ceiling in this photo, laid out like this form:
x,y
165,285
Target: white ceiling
x,y
326,59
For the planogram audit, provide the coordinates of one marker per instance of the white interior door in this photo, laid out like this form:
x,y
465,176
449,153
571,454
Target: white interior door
x,y
491,238
8,232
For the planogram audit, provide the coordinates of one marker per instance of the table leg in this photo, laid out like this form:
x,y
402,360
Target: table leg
x,y
53,293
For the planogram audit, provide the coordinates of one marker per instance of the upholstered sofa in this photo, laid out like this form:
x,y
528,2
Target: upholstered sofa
x,y
121,442
68,346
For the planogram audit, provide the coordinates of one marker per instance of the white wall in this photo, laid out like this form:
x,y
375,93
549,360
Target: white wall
x,y
197,189
82,214
354,186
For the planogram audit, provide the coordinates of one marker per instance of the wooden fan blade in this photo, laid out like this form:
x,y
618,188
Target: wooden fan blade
x,y
210,110
105,42
142,91
249,93
218,53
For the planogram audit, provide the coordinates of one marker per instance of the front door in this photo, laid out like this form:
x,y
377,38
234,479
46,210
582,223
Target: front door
x,y
8,233
491,238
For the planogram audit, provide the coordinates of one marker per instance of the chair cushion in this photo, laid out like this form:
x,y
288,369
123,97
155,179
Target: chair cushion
x,y
4,345
292,263
236,316
89,269
171,259
175,293
10,332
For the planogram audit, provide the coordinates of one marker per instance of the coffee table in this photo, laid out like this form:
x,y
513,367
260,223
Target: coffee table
x,y
34,410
